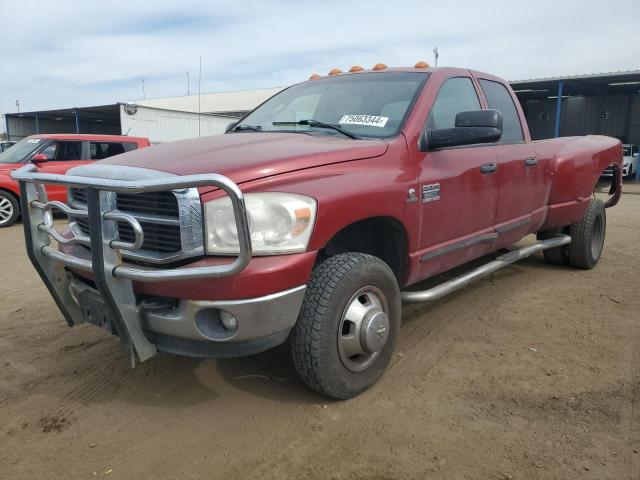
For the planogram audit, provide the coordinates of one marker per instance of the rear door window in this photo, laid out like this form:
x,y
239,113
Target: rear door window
x,y
498,98
102,150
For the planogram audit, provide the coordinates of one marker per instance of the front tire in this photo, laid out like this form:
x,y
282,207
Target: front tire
x,y
9,209
587,236
346,331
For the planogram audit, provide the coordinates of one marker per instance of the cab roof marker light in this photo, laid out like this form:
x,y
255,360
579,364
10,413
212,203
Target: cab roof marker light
x,y
379,66
421,64
335,71
356,68
315,76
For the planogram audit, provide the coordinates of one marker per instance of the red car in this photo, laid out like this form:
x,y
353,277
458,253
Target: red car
x,y
314,216
55,153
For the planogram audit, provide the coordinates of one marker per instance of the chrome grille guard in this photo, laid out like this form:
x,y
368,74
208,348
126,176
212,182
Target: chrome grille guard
x,y
112,277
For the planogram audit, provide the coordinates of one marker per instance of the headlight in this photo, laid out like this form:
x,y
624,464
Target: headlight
x,y
278,222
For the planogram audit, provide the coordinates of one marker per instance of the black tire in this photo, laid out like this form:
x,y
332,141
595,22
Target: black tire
x,y
587,236
316,340
558,255
9,209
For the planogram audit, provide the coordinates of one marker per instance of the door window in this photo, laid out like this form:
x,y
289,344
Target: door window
x,y
498,98
456,95
101,150
63,151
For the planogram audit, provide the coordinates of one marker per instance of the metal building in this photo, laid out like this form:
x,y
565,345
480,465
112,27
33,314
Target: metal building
x,y
601,103
236,103
159,125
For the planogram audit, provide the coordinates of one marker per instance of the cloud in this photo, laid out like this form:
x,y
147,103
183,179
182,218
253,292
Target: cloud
x,y
78,53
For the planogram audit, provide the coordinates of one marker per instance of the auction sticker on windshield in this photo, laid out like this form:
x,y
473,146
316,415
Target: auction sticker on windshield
x,y
369,120
33,140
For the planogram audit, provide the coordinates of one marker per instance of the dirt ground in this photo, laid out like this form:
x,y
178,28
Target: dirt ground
x,y
532,373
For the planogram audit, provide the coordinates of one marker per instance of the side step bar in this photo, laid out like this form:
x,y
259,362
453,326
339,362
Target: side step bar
x,y
502,261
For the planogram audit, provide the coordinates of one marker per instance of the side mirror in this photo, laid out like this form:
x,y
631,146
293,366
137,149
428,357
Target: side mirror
x,y
476,126
230,127
39,158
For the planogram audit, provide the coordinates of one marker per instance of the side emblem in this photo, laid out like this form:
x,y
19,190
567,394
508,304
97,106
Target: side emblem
x,y
430,192
411,195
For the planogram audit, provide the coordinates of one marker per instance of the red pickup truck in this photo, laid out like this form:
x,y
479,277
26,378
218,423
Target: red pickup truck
x,y
313,216
55,153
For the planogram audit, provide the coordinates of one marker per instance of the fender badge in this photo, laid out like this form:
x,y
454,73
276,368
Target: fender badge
x,y
430,192
411,195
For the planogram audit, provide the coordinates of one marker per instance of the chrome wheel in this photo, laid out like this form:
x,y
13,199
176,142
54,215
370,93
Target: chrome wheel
x,y
364,329
6,210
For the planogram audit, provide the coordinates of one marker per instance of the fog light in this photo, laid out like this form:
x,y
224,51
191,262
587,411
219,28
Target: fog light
x,y
228,321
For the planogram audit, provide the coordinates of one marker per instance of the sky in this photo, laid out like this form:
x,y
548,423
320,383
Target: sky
x,y
66,53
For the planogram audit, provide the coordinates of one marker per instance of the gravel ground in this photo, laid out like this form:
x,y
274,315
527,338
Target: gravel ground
x,y
530,374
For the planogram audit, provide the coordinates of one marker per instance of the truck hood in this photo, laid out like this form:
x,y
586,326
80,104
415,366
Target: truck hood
x,y
249,156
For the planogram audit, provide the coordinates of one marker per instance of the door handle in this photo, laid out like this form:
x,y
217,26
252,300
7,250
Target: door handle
x,y
488,168
531,162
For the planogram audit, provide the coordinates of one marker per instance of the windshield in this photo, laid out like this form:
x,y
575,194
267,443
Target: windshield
x,y
21,150
370,105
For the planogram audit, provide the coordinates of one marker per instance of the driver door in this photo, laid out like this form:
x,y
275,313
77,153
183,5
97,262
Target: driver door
x,y
458,188
61,156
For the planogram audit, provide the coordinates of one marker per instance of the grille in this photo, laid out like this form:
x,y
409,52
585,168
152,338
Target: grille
x,y
158,207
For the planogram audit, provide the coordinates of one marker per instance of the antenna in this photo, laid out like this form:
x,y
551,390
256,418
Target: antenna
x,y
436,55
199,84
144,94
188,85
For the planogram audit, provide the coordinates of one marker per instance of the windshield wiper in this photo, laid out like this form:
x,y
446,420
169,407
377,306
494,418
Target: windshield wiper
x,y
315,123
243,127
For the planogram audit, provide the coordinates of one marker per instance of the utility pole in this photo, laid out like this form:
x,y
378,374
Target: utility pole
x,y
188,85
18,105
436,55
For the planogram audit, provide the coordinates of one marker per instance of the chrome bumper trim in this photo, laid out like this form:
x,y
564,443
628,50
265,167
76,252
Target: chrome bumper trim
x,y
257,317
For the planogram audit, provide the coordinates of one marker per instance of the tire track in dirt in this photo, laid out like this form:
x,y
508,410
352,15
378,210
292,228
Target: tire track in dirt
x,y
206,430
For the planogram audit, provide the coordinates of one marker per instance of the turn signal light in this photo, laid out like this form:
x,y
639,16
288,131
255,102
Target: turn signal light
x,y
315,76
379,66
356,68
335,71
421,64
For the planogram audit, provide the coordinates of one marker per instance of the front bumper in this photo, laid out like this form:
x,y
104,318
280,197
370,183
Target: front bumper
x,y
142,327
195,328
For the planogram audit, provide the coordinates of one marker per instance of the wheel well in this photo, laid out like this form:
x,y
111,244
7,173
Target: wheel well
x,y
12,193
383,237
